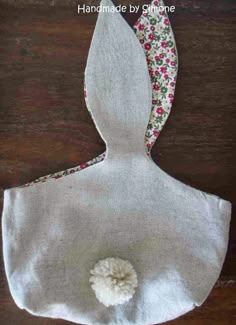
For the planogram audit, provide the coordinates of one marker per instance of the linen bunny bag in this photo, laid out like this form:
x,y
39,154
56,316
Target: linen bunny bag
x,y
120,242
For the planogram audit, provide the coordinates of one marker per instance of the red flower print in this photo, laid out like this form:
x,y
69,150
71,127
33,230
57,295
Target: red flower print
x,y
148,61
160,110
156,3
58,176
148,145
156,72
152,28
171,96
141,41
167,60
161,55
83,165
72,171
172,84
166,76
85,94
163,69
166,22
163,44
147,46
154,102
172,63
156,57
141,27
171,100
156,87
173,50
151,72
155,133
151,37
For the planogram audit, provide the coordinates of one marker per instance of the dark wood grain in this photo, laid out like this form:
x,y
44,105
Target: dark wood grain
x,y
45,127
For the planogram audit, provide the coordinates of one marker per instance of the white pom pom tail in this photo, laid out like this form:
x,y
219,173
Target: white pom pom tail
x,y
114,281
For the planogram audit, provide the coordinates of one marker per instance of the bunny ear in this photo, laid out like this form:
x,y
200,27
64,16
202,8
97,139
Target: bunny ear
x,y
154,32
117,80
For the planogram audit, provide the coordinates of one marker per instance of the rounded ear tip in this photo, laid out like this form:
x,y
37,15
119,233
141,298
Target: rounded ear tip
x,y
106,2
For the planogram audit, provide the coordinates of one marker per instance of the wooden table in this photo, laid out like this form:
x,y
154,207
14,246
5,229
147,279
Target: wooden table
x,y
45,126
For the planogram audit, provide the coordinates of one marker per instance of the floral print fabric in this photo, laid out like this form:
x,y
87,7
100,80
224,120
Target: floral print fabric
x,y
156,37
155,34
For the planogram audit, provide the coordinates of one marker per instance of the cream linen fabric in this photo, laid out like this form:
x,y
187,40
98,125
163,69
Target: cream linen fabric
x,y
125,206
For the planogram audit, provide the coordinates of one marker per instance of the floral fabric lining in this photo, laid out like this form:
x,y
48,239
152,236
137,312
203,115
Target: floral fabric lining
x,y
156,37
